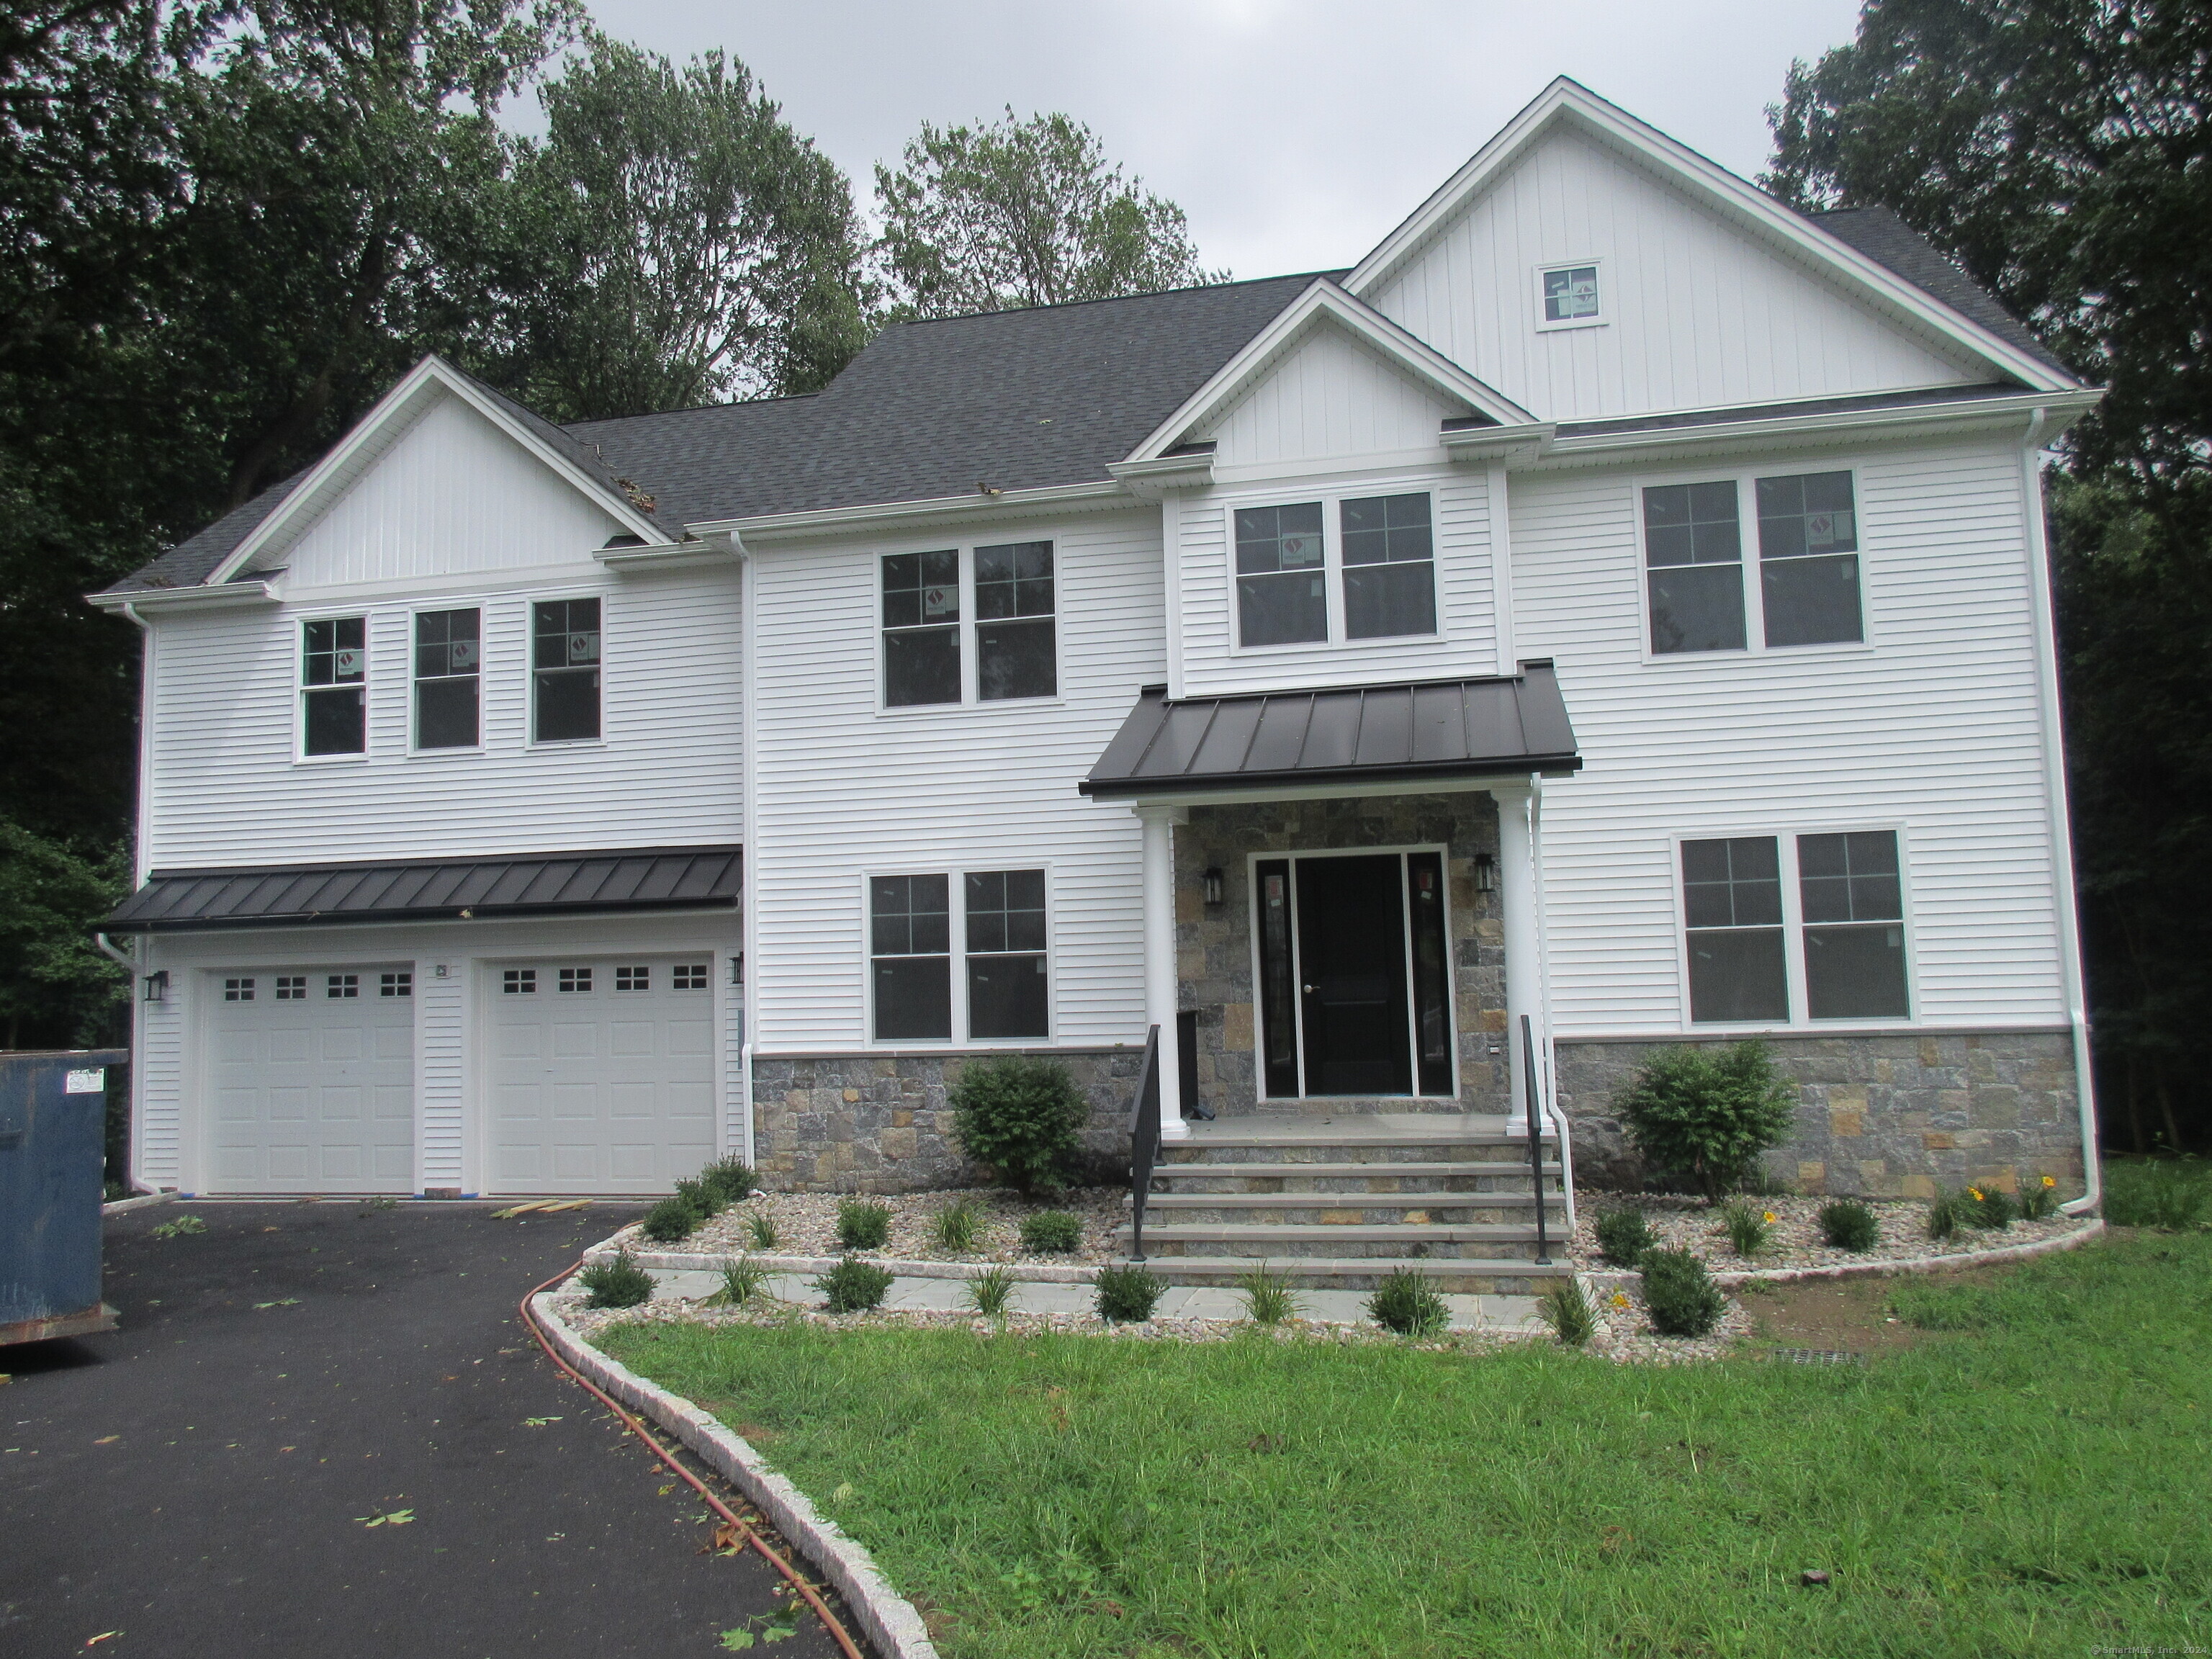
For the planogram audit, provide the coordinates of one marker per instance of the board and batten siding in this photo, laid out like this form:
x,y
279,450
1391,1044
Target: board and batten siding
x,y
1329,397
1698,314
843,789
1934,729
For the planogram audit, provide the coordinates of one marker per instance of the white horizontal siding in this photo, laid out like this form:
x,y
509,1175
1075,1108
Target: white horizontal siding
x,y
1329,397
1699,315
1466,643
225,789
842,790
1935,729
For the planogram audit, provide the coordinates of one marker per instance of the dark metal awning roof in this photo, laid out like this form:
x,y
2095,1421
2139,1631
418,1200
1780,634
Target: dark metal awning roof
x,y
536,883
1355,736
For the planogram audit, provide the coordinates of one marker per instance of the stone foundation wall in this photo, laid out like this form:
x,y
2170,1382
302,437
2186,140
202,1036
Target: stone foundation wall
x,y
880,1123
1877,1116
1214,942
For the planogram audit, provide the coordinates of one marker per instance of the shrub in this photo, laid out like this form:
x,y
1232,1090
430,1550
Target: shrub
x,y
1568,1312
760,1227
1987,1208
1127,1294
1848,1224
862,1226
2173,1193
1269,1297
989,1292
671,1220
730,1180
1623,1235
2040,1202
704,1203
1748,1226
957,1226
1405,1305
615,1282
1705,1117
1946,1214
741,1278
853,1285
1052,1232
1680,1294
1021,1116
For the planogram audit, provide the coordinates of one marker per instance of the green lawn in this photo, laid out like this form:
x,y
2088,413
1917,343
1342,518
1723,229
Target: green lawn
x,y
2036,1478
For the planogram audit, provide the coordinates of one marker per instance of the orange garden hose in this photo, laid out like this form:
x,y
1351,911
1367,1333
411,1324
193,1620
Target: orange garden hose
x,y
733,1521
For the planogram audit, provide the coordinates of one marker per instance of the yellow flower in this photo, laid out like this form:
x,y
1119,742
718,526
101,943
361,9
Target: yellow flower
x,y
2050,1181
1974,1192
1770,1217
1620,1299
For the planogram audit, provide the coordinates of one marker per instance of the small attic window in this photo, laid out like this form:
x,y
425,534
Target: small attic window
x,y
1567,296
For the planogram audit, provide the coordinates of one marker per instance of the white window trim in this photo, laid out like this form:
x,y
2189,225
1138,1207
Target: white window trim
x,y
956,901
1536,288
1799,1022
1253,861
415,750
299,622
530,602
1754,604
971,700
1332,501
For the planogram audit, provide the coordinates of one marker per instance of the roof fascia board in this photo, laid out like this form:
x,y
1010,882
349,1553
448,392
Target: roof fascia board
x,y
385,423
1718,188
1152,479
669,555
227,596
889,515
1365,324
1487,443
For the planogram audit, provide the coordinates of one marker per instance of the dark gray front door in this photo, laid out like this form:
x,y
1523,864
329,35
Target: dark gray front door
x,y
1352,990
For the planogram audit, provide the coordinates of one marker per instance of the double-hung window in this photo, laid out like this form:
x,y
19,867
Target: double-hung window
x,y
910,942
1390,566
564,670
928,601
1003,991
1282,587
1693,552
1014,655
1384,565
921,629
448,657
334,686
1848,926
1006,954
1808,563
1809,566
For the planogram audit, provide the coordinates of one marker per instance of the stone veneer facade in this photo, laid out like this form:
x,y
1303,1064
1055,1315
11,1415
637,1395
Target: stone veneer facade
x,y
1214,942
1892,1116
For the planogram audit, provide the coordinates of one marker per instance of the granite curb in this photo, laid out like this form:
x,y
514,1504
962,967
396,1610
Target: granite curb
x,y
1614,1278
141,1201
695,1261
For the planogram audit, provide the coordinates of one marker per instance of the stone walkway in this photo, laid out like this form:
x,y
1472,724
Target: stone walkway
x,y
1468,1313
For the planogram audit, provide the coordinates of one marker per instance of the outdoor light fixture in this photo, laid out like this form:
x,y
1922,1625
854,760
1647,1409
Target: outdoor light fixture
x,y
1485,873
157,986
1211,884
737,968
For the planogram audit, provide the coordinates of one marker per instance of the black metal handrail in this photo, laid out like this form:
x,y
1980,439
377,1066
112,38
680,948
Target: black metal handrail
x,y
1144,1141
1535,1138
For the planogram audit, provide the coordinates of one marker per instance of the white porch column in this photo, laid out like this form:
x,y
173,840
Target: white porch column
x,y
1162,991
1516,881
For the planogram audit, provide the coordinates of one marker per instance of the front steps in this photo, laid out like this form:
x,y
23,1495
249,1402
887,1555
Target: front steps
x,y
1339,1202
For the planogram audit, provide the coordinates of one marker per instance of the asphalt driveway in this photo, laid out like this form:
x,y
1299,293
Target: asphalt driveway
x,y
201,1480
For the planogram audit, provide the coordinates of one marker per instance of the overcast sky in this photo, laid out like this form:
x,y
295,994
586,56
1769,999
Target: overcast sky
x,y
1294,133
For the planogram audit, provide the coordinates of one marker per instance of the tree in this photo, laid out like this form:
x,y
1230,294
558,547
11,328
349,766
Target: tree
x,y
2059,151
55,990
1024,213
698,248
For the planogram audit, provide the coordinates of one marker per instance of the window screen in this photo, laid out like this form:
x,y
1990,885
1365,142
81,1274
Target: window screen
x,y
564,661
1809,566
1007,977
921,629
910,956
1853,895
1694,553
1280,599
333,676
1732,898
1013,622
1389,554
449,654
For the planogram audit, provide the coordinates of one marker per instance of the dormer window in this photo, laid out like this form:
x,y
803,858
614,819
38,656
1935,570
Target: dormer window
x,y
1569,297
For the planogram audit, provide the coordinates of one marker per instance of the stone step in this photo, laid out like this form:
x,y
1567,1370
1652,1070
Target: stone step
x,y
1361,1209
1495,1276
1376,1241
1457,1148
1339,1177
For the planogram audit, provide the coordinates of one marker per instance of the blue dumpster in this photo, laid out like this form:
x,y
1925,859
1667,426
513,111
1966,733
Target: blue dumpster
x,y
53,1109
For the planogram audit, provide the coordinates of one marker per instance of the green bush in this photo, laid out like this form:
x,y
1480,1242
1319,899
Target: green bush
x,y
1623,1235
760,1227
1680,1294
862,1226
1705,1117
957,1226
1568,1312
1052,1232
1127,1294
1987,1208
2171,1193
1022,1116
1848,1224
1405,1305
670,1221
1946,1214
853,1285
990,1291
704,1203
615,1282
1748,1226
742,1279
730,1180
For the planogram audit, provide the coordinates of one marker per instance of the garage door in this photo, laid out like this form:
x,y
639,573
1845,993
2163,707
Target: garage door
x,y
314,1081
602,1073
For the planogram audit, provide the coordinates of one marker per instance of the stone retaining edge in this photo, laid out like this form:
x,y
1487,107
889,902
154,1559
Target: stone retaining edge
x,y
143,1201
891,1621
694,1261
1614,1277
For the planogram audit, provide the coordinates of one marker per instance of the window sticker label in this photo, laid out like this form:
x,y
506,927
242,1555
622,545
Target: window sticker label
x,y
90,1082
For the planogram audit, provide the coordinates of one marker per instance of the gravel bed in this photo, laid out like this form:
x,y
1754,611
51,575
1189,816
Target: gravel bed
x,y
1624,1336
1795,1239
806,1225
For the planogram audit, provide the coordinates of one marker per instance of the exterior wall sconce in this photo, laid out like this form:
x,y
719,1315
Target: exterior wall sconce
x,y
157,986
1485,873
737,968
1210,884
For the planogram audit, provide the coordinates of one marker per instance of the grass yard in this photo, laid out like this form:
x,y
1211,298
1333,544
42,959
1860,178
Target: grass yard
x,y
2033,1476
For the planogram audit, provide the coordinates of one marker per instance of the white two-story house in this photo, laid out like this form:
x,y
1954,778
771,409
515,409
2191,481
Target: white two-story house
x,y
1617,603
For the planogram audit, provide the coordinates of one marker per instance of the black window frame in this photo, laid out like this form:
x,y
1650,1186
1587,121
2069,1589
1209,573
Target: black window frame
x,y
1005,947
1546,294
456,662
333,699
554,680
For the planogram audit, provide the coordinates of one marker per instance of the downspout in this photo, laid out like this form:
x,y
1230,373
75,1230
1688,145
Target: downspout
x,y
1547,1082
2062,829
749,843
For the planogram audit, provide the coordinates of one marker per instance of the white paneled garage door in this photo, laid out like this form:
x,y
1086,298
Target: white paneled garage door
x,y
314,1081
602,1072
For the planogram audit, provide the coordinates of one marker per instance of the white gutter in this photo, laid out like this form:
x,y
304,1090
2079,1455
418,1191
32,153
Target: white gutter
x,y
1963,412
218,596
2062,829
877,515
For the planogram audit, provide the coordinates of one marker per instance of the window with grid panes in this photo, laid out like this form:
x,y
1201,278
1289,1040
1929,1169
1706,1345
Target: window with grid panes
x,y
333,680
1389,567
1808,566
395,985
910,956
921,629
1732,904
1281,593
1014,655
448,653
1851,893
1006,970
564,670
1694,559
